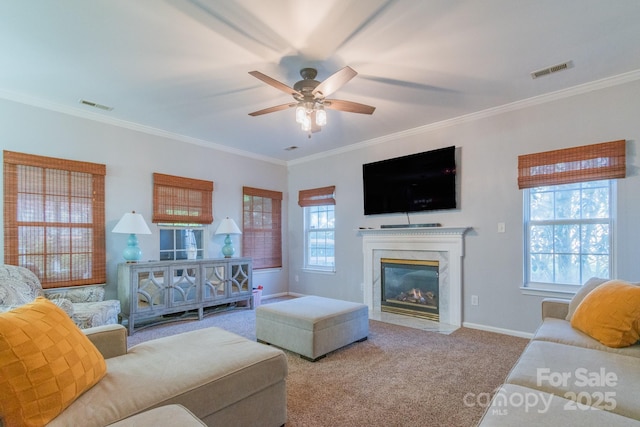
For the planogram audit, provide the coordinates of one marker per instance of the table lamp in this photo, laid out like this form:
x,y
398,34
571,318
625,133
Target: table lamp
x,y
228,227
132,223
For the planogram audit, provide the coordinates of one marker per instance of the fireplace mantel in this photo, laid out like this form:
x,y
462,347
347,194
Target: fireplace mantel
x,y
446,244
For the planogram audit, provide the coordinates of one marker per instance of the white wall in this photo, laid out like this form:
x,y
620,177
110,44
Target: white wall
x,y
489,147
131,158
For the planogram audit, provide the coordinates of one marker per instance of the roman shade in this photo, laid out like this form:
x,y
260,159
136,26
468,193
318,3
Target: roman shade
x,y
182,200
317,196
262,227
54,221
578,164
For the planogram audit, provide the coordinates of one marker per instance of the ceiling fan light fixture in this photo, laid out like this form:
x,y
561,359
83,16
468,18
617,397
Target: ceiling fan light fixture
x,y
306,123
321,116
301,112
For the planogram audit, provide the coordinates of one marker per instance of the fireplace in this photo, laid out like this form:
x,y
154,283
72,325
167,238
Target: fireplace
x,y
442,244
410,287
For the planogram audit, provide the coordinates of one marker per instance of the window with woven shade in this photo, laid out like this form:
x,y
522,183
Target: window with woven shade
x,y
319,227
569,214
262,227
54,221
179,200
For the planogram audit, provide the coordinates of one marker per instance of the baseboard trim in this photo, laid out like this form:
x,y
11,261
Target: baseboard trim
x,y
282,294
498,330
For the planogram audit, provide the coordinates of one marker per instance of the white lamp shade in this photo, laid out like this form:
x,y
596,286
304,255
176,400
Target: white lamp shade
x,y
131,223
228,226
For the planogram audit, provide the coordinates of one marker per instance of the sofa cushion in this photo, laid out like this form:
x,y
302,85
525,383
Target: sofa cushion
x,y
611,314
46,363
205,370
584,290
602,379
560,331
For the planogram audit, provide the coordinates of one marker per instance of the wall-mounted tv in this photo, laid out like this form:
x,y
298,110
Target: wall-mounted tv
x,y
418,182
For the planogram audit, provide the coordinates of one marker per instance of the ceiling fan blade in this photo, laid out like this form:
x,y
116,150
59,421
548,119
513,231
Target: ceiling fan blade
x,y
348,106
273,109
334,82
273,82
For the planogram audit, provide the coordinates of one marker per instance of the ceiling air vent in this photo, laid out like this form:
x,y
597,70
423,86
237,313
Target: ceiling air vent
x,y
95,105
552,69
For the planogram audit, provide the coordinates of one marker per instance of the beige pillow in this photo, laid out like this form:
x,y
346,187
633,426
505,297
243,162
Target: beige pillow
x,y
590,285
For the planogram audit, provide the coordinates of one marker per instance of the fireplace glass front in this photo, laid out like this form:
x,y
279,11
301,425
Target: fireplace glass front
x,y
410,287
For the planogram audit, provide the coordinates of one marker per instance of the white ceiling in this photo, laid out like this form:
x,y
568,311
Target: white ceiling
x,y
180,67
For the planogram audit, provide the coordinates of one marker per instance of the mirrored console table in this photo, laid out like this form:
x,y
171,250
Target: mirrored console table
x,y
158,291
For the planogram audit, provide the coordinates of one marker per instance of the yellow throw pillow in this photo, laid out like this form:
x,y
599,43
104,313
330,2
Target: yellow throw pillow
x,y
46,362
611,314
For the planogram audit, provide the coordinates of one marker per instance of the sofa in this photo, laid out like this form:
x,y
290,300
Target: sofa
x,y
219,377
566,376
84,304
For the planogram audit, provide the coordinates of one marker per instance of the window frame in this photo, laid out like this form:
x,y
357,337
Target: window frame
x,y
307,212
528,223
65,188
177,228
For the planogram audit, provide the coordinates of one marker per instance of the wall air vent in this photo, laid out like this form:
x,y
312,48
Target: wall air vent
x,y
552,69
95,105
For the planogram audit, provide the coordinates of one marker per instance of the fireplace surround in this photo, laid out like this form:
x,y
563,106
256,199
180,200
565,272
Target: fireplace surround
x,y
442,244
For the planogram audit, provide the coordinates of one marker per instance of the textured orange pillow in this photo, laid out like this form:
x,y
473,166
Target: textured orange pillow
x,y
611,314
46,362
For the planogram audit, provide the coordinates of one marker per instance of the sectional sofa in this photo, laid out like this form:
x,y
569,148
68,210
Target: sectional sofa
x,y
52,374
565,377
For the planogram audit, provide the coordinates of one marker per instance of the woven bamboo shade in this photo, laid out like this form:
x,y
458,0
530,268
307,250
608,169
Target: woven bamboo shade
x,y
578,164
317,196
182,200
54,221
262,227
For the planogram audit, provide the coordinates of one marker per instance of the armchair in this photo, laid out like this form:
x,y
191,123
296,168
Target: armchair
x,y
85,305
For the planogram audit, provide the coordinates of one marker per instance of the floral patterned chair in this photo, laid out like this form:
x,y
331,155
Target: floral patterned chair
x,y
85,305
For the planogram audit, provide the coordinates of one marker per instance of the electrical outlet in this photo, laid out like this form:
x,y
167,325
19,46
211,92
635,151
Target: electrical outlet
x,y
501,227
474,299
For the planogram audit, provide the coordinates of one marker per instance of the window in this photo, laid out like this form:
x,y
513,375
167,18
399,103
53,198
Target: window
x,y
54,219
569,232
568,213
176,241
181,207
319,227
262,227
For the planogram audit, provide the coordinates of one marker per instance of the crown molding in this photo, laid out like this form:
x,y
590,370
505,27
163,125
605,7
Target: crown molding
x,y
90,115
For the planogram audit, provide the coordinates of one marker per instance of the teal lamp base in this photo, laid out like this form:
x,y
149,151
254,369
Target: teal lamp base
x,y
227,249
132,252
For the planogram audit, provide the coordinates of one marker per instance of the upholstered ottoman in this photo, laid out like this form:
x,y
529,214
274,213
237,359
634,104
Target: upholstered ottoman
x,y
312,326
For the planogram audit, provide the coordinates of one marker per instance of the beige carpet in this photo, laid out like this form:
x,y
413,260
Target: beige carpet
x,y
398,377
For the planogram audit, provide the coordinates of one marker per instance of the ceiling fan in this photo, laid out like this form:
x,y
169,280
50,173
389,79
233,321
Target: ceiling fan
x,y
310,97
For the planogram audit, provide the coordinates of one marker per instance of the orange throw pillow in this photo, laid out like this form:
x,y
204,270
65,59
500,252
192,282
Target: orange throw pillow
x,y
611,314
46,362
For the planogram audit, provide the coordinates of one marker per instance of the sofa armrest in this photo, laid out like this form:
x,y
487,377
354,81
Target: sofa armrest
x,y
110,340
555,307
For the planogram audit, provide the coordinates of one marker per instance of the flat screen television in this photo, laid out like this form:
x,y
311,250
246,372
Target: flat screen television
x,y
418,182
